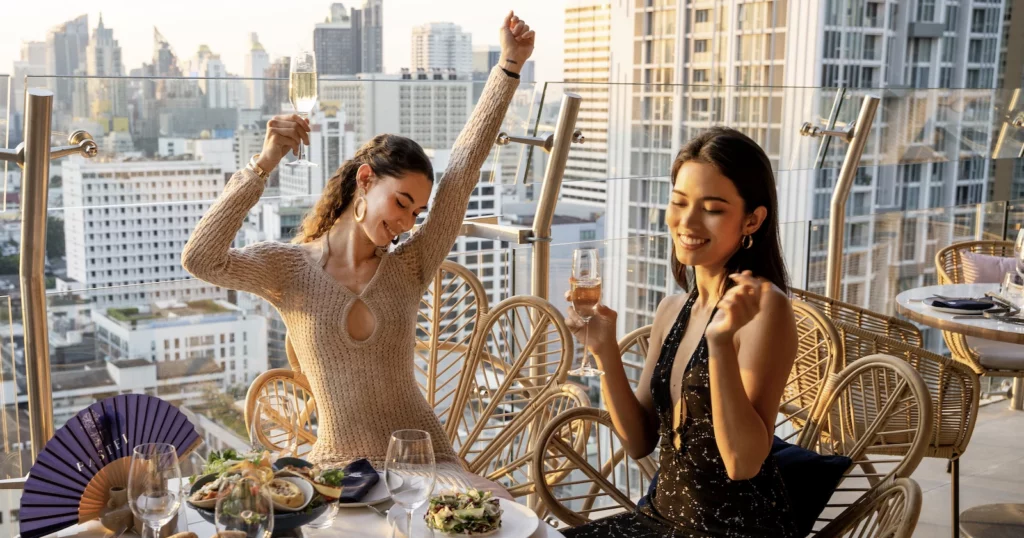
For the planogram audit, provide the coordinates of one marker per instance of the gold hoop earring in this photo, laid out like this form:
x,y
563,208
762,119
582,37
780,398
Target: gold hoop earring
x,y
747,241
359,209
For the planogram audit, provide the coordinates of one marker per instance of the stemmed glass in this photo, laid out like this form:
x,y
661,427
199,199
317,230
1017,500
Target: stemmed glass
x,y
1018,252
410,457
586,295
154,484
302,91
244,505
275,426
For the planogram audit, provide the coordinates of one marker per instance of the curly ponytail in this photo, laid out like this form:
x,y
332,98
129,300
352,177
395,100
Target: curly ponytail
x,y
387,155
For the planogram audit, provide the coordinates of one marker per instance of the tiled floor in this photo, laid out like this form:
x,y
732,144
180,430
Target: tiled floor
x,y
991,471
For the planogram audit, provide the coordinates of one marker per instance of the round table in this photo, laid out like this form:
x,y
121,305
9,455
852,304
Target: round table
x,y
910,304
993,521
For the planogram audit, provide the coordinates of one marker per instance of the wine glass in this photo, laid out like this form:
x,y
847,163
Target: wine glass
x,y
1018,252
154,484
244,505
585,294
302,92
275,426
410,457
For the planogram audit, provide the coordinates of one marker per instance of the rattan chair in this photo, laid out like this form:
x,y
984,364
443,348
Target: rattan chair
x,y
294,387
984,356
954,387
889,512
885,432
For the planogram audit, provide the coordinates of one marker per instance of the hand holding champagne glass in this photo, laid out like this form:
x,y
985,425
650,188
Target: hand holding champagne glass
x,y
585,295
302,91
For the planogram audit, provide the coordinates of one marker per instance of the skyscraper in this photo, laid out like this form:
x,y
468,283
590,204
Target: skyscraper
x,y
275,92
350,41
107,98
65,48
442,45
256,63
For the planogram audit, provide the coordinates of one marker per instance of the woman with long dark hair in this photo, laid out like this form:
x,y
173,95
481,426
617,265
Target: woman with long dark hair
x,y
719,357
349,303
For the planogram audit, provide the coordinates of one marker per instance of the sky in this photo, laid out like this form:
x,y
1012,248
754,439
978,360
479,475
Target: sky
x,y
283,27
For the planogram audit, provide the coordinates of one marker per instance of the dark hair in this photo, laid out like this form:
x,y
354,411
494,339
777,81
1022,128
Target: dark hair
x,y
741,160
387,155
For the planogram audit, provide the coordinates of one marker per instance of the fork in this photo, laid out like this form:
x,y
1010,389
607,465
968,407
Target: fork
x,y
381,508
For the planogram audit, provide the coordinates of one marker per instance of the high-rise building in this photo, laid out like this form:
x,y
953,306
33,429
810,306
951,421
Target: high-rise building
x,y
429,108
485,57
690,65
127,223
586,65
256,63
350,41
275,92
31,64
442,45
108,98
65,56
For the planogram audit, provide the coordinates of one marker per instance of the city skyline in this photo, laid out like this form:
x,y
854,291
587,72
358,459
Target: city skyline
x,y
282,29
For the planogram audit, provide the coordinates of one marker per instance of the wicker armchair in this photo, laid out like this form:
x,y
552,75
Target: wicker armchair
x,y
981,355
953,386
885,435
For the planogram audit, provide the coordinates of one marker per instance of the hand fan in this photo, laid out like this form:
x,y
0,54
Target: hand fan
x,y
72,477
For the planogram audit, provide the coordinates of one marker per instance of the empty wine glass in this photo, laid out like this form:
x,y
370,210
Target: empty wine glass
x,y
302,91
410,457
244,505
1018,252
586,295
274,426
154,484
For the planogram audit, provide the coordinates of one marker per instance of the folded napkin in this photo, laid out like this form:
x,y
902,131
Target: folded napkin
x,y
360,477
963,304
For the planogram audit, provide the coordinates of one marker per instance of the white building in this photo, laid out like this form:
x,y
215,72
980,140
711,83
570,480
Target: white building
x,y
680,67
442,45
586,65
216,151
431,110
171,332
126,223
256,63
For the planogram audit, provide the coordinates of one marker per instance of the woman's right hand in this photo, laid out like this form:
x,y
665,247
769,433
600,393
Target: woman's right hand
x,y
284,134
600,337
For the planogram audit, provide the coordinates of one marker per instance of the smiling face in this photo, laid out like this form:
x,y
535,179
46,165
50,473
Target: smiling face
x,y
392,203
706,216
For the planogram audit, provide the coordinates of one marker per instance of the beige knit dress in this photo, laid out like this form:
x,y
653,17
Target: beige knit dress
x,y
364,389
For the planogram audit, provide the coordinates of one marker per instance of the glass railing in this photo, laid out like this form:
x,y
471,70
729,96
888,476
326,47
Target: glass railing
x,y
125,316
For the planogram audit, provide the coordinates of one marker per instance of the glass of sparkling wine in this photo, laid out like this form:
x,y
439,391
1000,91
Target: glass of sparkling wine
x,y
586,294
302,93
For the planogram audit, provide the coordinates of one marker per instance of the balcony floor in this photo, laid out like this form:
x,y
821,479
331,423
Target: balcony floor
x,y
991,471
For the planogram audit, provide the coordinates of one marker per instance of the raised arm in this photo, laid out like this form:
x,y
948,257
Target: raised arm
x,y
257,268
431,243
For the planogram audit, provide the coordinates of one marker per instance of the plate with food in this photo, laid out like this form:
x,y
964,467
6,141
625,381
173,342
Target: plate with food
x,y
473,513
326,481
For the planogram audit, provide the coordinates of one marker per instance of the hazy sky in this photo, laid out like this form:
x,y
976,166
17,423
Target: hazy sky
x,y
282,26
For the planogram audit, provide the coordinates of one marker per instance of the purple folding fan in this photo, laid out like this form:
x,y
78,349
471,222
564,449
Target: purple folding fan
x,y
72,477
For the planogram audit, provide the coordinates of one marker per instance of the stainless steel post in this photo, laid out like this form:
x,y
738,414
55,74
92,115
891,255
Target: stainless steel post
x,y
564,130
837,219
35,186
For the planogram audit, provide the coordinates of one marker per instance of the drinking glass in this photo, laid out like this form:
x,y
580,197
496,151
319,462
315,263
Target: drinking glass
x,y
1018,252
154,484
244,505
275,426
410,457
302,91
586,295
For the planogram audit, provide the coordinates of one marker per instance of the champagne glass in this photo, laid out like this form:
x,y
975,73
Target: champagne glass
x,y
302,92
586,294
154,484
244,505
410,457
275,426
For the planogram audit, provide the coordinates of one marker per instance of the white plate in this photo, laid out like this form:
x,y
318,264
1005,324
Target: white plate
x,y
517,521
930,304
377,494
307,493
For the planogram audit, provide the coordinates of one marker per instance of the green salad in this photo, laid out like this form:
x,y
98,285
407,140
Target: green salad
x,y
468,514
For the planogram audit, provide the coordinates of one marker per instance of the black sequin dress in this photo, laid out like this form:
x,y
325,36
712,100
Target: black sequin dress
x,y
694,496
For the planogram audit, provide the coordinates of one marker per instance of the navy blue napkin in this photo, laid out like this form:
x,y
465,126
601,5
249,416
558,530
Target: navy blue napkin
x,y
360,477
963,304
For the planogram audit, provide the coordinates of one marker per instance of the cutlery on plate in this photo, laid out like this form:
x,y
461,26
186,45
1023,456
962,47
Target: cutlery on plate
x,y
381,508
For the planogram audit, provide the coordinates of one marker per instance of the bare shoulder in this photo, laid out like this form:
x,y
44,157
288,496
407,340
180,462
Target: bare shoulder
x,y
667,312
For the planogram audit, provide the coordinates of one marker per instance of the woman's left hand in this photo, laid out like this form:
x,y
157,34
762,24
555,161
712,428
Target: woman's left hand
x,y
516,39
738,307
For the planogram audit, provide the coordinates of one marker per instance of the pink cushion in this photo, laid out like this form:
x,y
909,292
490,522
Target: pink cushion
x,y
985,269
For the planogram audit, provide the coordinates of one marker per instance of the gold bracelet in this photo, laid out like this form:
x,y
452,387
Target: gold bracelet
x,y
257,169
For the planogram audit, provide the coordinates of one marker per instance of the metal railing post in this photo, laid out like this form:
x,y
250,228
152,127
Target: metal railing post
x,y
837,219
35,187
